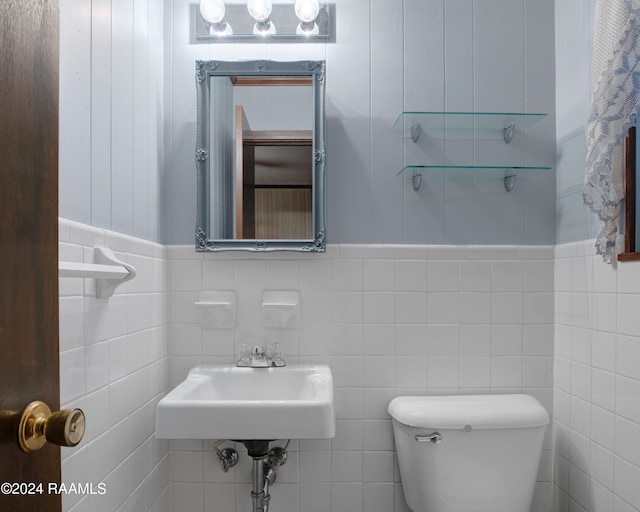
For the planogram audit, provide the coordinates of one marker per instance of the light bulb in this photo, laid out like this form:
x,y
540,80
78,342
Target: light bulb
x,y
260,10
212,10
307,10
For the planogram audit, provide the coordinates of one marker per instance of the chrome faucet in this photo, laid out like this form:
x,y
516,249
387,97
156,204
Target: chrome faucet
x,y
259,358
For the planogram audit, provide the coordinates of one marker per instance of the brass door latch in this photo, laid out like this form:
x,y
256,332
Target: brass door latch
x,y
39,425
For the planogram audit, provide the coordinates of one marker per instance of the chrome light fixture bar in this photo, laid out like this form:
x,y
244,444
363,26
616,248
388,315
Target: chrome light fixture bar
x,y
260,20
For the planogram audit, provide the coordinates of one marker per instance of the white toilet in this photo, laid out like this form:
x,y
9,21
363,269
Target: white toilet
x,y
476,453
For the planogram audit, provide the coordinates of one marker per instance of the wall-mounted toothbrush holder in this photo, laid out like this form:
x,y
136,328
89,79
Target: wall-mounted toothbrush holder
x,y
216,310
281,309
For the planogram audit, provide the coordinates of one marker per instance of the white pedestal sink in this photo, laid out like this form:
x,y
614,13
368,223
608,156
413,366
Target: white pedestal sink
x,y
227,402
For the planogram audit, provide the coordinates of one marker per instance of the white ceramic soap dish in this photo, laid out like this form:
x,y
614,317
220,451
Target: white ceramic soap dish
x,y
216,310
281,309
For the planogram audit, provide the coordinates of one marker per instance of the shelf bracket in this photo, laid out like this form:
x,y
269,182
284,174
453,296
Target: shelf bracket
x,y
509,179
508,131
415,132
416,180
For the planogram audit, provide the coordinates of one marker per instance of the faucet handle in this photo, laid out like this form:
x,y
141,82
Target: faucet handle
x,y
275,354
247,354
243,354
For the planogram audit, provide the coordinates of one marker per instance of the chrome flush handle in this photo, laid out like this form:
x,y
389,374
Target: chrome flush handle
x,y
435,438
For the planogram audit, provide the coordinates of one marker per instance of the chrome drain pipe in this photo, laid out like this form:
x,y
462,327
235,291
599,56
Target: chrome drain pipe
x,y
264,476
269,479
258,494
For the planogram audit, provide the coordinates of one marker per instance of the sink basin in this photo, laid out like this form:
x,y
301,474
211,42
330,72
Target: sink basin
x,y
226,402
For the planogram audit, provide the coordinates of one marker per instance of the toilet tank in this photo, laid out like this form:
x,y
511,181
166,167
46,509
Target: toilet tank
x,y
475,453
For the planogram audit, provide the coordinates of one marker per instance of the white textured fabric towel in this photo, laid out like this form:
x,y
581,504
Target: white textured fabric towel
x,y
614,99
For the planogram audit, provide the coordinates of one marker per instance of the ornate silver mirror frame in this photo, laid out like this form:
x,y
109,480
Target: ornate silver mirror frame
x,y
205,70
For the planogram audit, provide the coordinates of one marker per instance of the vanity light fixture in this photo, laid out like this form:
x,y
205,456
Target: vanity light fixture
x,y
260,11
213,12
307,11
255,21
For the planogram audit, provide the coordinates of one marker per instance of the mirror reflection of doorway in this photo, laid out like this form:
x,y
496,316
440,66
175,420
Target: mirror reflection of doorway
x,y
273,158
277,185
274,182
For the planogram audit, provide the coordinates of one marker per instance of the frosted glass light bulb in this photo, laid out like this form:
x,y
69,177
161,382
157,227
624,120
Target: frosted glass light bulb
x,y
260,10
307,10
212,10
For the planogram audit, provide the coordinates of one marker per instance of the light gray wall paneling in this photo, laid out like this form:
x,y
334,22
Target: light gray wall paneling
x,y
499,87
574,220
141,187
156,100
122,117
75,111
424,32
574,37
499,46
373,70
107,126
574,40
111,114
423,54
539,97
349,184
179,185
459,69
387,20
100,116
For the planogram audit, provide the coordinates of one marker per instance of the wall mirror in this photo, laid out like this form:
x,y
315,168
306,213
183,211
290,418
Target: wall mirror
x,y
260,156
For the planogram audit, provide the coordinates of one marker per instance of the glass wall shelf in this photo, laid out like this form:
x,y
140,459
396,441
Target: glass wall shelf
x,y
502,124
509,177
479,167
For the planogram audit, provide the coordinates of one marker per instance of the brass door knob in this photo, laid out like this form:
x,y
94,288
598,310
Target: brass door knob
x,y
39,425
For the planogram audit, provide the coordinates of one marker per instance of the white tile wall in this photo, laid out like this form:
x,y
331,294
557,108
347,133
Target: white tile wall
x,y
114,366
376,315
389,320
596,382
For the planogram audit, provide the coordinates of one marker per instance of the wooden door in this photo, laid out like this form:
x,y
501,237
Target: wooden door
x,y
29,365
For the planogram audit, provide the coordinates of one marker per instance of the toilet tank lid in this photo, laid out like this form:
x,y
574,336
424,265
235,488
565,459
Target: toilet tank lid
x,y
477,411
